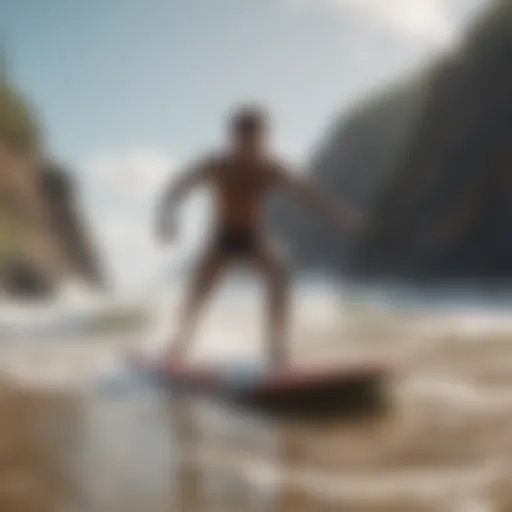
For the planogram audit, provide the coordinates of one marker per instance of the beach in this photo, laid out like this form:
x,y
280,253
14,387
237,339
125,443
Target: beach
x,y
78,434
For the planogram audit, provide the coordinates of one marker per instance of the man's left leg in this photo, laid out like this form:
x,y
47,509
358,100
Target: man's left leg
x,y
271,263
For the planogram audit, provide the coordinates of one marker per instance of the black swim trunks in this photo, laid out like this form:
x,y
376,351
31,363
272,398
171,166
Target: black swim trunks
x,y
237,242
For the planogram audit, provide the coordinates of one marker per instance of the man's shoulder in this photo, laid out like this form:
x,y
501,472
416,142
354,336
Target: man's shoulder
x,y
205,164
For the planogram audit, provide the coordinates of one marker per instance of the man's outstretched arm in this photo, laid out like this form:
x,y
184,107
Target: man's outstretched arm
x,y
313,196
175,193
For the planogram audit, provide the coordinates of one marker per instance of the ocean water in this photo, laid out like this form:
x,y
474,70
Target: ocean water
x,y
80,431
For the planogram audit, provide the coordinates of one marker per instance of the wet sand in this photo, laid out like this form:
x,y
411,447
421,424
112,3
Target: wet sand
x,y
67,444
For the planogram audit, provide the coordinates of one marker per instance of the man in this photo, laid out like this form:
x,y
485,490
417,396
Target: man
x,y
240,179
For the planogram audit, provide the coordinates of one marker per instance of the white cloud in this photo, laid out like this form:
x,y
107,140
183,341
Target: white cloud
x,y
132,175
430,20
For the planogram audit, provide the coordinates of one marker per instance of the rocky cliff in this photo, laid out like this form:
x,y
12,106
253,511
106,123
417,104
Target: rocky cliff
x,y
67,222
430,163
42,241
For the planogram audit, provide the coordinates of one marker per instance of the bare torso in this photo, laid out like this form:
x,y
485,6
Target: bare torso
x,y
240,185
240,188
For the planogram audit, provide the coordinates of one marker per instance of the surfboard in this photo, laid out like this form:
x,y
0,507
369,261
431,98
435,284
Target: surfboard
x,y
294,389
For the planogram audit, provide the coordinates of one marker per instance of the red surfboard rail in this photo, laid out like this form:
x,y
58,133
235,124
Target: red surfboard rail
x,y
216,377
321,391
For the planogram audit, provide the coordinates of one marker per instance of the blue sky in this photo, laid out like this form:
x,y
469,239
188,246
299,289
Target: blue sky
x,y
129,89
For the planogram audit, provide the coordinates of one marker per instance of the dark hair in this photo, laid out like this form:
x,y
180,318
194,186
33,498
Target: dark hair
x,y
248,119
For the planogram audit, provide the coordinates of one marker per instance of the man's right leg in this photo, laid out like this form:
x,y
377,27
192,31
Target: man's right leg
x,y
205,278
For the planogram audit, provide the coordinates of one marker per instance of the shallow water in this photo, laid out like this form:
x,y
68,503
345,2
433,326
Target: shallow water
x,y
80,432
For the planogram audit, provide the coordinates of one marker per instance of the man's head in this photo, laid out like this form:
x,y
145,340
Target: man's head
x,y
249,126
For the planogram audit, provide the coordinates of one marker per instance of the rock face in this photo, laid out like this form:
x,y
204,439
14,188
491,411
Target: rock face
x,y
18,128
430,163
67,223
355,163
42,241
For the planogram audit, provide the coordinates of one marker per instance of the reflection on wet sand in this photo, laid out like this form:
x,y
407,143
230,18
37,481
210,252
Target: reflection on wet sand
x,y
83,451
146,452
37,435
445,446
